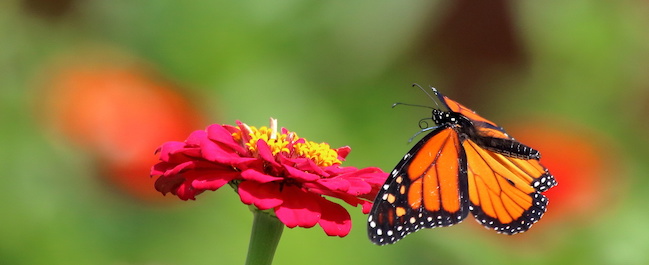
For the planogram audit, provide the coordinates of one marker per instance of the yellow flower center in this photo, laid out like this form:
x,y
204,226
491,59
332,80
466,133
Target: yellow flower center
x,y
277,144
320,153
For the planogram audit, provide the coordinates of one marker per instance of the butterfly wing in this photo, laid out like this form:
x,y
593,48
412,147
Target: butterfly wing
x,y
505,177
455,106
505,190
496,138
428,188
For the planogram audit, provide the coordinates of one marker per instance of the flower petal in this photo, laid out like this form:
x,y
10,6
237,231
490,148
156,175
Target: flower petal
x,y
343,152
299,208
304,164
301,175
160,168
366,206
169,148
220,134
335,184
265,153
245,131
263,195
335,219
213,151
186,192
196,137
211,179
254,175
363,182
316,188
168,184
178,186
366,182
178,168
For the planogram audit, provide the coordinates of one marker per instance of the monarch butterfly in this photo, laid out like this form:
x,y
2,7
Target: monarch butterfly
x,y
465,164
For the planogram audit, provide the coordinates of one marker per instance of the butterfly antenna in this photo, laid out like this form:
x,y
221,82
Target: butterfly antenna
x,y
423,123
411,105
422,131
428,94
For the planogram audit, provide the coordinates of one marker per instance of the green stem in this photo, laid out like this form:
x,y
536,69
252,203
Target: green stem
x,y
266,232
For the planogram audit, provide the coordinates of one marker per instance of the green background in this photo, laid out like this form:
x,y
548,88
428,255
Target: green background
x,y
330,71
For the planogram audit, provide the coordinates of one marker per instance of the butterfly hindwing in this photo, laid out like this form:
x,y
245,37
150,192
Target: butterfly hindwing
x,y
505,191
525,157
428,188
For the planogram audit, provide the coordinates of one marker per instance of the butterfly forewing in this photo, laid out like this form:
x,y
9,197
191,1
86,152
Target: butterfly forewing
x,y
426,189
455,106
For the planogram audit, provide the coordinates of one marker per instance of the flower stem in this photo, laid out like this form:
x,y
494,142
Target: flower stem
x,y
266,232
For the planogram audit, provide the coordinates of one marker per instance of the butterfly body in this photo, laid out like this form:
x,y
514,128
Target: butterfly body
x,y
466,164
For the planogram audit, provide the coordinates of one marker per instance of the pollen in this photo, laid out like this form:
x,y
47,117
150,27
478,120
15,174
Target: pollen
x,y
320,153
288,144
277,142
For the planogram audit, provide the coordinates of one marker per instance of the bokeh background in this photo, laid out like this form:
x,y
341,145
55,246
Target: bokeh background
x,y
89,89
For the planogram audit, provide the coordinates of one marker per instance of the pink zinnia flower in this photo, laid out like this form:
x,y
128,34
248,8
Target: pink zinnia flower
x,y
272,170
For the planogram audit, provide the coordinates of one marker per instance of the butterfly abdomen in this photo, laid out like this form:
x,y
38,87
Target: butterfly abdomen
x,y
508,147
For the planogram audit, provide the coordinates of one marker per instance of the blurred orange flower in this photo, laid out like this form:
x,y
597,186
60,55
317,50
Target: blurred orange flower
x,y
117,111
581,160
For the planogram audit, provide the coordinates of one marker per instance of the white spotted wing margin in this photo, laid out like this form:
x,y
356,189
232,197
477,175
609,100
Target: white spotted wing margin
x,y
393,217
